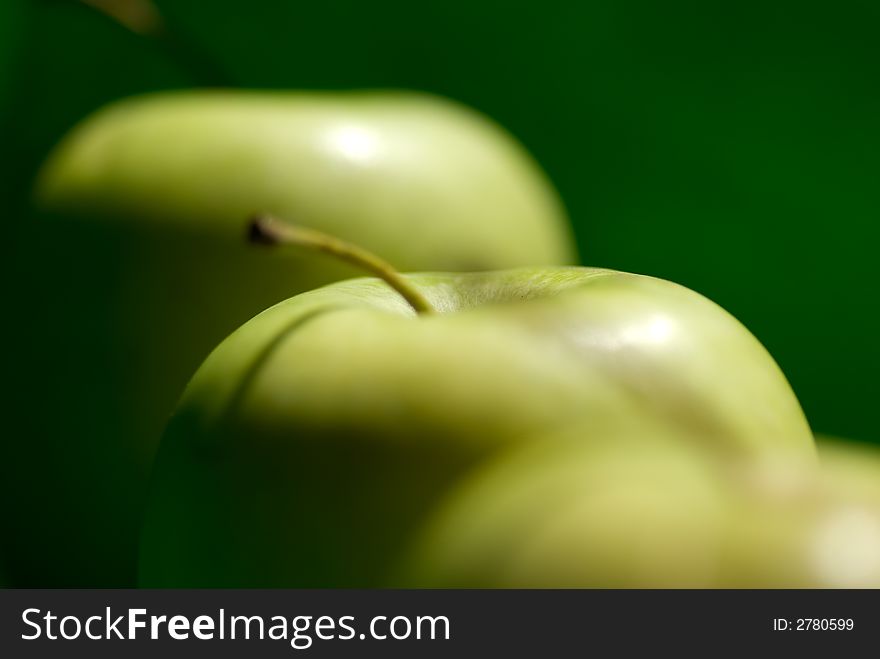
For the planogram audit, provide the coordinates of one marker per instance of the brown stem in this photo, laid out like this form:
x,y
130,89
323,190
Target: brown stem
x,y
268,230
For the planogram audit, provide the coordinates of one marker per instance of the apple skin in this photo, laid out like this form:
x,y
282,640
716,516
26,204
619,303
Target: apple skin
x,y
567,512
138,267
564,512
855,465
423,181
816,528
312,442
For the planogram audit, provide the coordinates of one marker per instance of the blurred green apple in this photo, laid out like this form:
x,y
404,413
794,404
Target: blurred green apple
x,y
565,512
312,442
851,466
815,528
568,513
138,270
422,180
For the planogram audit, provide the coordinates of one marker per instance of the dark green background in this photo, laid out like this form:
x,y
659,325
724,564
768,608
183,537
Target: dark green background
x,y
733,147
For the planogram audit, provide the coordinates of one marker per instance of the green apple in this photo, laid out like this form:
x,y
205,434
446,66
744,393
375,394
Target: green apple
x,y
419,179
311,443
139,269
570,513
816,528
564,512
852,466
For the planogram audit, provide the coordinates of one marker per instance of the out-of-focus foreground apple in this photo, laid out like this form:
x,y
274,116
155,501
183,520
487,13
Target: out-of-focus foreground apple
x,y
567,513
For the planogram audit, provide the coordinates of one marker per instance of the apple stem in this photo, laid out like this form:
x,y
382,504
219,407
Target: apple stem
x,y
266,229
140,16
